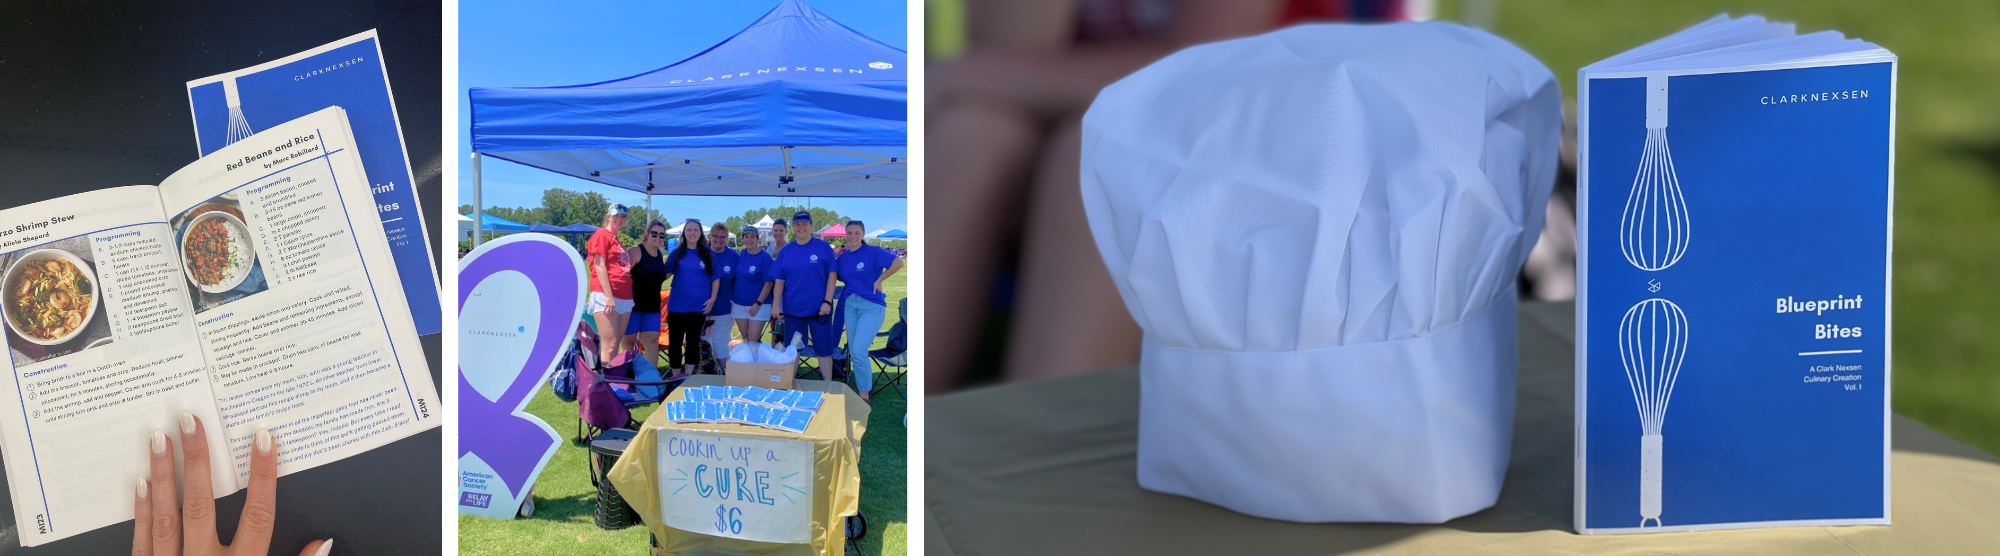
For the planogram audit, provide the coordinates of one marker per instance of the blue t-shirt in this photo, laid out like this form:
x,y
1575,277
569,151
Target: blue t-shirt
x,y
727,261
752,271
860,268
804,269
691,282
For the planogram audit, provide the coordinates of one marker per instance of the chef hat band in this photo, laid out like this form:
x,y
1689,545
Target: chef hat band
x,y
1319,229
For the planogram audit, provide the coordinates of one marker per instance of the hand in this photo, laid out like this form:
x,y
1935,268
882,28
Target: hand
x,y
708,306
826,308
878,286
754,306
158,525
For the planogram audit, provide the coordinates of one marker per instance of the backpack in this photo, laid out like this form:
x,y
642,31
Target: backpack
x,y
563,382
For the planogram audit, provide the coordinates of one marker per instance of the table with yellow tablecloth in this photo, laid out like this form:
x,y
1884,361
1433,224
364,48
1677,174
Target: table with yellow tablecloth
x,y
835,434
1047,468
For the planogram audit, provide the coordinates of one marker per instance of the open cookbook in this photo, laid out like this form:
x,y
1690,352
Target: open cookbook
x,y
255,288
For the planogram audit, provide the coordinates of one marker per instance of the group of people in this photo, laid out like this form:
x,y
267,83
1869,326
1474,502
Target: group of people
x,y
794,287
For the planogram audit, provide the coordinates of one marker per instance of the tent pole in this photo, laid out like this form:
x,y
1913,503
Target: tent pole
x,y
478,206
650,217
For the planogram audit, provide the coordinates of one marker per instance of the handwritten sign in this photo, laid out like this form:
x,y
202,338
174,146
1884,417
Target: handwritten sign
x,y
519,298
740,487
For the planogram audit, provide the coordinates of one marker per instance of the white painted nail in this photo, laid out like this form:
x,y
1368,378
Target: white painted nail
x,y
325,548
187,422
263,442
159,442
142,488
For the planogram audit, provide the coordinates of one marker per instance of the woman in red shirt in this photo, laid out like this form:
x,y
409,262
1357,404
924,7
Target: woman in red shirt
x,y
610,268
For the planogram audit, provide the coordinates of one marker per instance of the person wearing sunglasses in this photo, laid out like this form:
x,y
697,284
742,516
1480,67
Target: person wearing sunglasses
x,y
649,274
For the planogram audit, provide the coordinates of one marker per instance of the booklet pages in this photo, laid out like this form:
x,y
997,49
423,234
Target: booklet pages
x,y
253,288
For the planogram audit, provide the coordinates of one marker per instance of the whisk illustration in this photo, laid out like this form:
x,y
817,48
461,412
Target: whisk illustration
x,y
239,128
1652,341
1653,231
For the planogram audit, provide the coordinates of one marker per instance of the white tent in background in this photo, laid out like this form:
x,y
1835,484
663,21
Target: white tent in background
x,y
876,234
763,224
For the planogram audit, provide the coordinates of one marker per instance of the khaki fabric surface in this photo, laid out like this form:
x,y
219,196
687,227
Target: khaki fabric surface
x,y
1047,468
836,436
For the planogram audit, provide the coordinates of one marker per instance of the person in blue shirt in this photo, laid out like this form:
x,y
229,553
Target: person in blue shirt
x,y
696,281
863,269
718,324
750,288
805,283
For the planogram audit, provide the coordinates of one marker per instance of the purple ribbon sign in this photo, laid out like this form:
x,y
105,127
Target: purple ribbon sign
x,y
519,298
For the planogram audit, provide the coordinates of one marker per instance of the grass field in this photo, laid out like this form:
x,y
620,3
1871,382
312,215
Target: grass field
x,y
565,500
1946,314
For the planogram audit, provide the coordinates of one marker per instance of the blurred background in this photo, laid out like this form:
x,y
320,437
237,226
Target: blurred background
x,y
1019,292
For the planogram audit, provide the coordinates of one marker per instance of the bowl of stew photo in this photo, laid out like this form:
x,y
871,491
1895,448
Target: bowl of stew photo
x,y
50,295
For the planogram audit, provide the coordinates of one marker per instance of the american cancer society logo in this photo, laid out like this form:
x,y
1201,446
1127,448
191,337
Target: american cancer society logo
x,y
880,65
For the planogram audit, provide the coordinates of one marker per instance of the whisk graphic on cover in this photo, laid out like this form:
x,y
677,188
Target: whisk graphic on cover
x,y
239,128
1653,231
1652,342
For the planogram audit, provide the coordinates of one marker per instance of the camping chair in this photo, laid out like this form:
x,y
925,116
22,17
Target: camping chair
x,y
895,354
599,405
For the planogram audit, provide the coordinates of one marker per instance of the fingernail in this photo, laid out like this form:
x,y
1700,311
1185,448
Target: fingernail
x,y
159,442
142,488
325,548
187,422
263,442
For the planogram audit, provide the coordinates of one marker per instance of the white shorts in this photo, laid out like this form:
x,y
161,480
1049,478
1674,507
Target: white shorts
x,y
743,312
718,336
622,306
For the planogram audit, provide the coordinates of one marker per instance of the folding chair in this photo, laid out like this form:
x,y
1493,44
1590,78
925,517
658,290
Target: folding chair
x,y
600,406
894,354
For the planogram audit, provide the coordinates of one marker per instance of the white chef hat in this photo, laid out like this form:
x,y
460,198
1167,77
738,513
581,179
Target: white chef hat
x,y
1319,230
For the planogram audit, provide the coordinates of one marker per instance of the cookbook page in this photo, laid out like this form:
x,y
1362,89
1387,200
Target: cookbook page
x,y
101,352
296,298
347,73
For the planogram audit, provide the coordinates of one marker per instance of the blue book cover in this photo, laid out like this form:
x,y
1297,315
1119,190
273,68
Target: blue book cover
x,y
347,73
1734,217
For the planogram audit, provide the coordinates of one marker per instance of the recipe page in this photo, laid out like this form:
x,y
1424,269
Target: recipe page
x,y
101,352
296,298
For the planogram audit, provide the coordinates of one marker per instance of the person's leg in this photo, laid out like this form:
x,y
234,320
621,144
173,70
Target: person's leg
x,y
1068,316
979,156
607,337
690,340
718,340
864,321
618,321
820,336
649,347
743,329
674,347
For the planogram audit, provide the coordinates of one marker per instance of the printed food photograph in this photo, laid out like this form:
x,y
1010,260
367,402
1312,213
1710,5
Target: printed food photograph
x,y
218,253
51,299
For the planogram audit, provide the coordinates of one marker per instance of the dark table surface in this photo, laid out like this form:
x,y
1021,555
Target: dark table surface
x,y
1048,468
93,95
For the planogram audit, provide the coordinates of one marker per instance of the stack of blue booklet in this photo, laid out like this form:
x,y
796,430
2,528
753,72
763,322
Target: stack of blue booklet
x,y
1734,204
786,410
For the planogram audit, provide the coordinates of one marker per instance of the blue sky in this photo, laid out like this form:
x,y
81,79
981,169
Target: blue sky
x,y
517,43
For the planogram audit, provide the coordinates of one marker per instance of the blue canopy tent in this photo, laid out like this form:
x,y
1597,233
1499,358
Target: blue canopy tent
x,y
795,105
894,234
